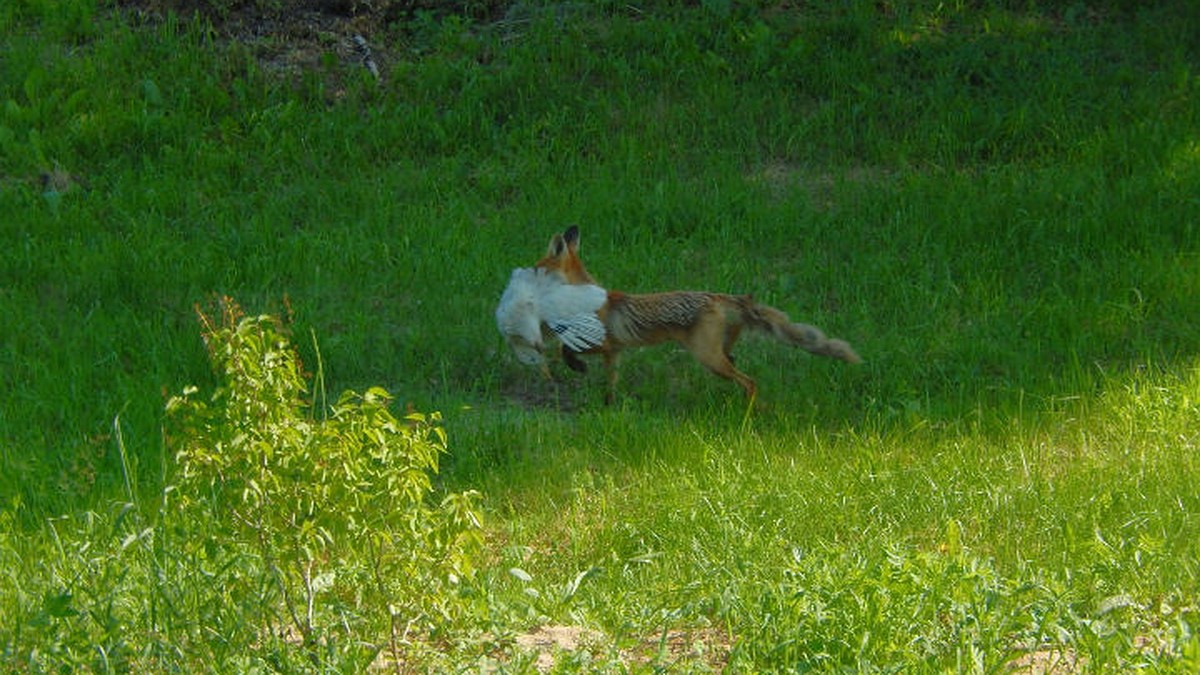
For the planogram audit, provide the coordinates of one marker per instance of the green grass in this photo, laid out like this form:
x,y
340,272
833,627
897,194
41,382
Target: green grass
x,y
995,203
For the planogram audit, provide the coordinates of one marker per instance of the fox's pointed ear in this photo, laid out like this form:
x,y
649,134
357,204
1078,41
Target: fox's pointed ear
x,y
557,246
571,237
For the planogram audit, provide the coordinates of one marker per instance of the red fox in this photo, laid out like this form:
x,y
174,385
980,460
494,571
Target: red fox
x,y
706,324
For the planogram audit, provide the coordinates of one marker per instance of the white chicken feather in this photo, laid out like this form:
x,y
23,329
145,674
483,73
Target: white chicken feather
x,y
535,299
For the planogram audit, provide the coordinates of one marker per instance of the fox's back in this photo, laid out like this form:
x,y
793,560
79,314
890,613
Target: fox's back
x,y
655,317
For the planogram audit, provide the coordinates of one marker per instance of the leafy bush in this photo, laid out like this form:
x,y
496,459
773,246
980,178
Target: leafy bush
x,y
328,515
290,540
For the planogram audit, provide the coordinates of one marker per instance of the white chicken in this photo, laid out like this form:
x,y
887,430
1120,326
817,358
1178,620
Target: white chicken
x,y
536,299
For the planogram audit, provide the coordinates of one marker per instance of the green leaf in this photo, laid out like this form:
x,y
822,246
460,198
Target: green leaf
x,y
58,605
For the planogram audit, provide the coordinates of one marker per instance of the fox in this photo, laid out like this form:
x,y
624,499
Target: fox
x,y
706,324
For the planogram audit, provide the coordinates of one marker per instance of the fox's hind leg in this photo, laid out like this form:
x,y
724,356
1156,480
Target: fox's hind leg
x,y
731,335
720,364
710,342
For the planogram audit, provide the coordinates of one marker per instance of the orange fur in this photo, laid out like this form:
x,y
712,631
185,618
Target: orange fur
x,y
706,324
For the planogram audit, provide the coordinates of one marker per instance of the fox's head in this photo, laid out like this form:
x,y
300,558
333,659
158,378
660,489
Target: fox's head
x,y
563,257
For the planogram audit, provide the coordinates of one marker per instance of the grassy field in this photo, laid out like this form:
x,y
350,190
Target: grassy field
x,y
997,204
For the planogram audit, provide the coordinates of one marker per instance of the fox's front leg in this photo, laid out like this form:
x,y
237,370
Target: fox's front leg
x,y
610,368
571,358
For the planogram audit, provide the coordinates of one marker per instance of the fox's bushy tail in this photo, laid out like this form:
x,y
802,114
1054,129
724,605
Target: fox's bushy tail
x,y
809,338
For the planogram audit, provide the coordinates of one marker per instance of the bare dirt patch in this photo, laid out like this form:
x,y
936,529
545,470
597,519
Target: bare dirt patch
x,y
288,39
548,641
819,184
1047,661
705,648
566,393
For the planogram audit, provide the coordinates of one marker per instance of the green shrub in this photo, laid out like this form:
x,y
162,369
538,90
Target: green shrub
x,y
290,539
324,520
